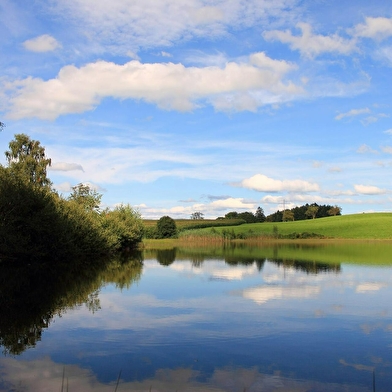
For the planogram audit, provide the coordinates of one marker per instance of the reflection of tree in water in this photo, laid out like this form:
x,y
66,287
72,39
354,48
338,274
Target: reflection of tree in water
x,y
30,297
166,256
245,261
197,261
310,267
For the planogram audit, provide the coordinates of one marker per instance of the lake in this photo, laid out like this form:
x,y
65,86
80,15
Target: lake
x,y
291,317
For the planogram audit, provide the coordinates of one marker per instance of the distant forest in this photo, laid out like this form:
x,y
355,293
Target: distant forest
x,y
306,211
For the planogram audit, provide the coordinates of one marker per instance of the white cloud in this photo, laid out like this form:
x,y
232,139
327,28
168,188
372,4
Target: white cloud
x,y
388,131
234,203
122,25
262,183
364,149
335,169
64,187
309,44
375,28
352,112
41,44
369,190
317,164
387,149
170,86
63,166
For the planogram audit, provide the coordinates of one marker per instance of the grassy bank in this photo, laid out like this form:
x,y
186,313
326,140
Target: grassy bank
x,y
369,226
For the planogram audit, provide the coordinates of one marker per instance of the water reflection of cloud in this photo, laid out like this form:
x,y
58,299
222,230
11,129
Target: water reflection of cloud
x,y
368,287
217,270
45,375
264,294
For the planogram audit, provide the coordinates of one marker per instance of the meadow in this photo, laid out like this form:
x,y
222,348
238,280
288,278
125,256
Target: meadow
x,y
369,226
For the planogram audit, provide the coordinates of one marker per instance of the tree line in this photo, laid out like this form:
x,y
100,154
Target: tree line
x,y
306,211
39,225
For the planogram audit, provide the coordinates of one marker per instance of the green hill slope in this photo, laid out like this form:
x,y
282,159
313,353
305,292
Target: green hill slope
x,y
356,226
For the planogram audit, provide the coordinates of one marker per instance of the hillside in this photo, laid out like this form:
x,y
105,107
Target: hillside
x,y
355,226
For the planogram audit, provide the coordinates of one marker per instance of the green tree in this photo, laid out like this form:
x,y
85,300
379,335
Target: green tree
x,y
197,215
166,227
336,210
87,197
312,211
231,215
259,215
288,215
26,158
247,216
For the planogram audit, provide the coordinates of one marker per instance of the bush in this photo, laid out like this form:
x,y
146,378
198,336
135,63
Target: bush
x,y
166,227
123,226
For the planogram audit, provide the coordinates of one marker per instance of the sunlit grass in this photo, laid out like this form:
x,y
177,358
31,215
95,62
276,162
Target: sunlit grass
x,y
356,226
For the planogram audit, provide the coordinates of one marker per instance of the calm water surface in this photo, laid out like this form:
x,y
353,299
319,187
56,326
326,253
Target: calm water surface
x,y
223,319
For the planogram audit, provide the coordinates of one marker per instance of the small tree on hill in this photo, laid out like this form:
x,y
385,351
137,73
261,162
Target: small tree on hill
x,y
288,215
336,210
259,215
197,215
166,227
312,211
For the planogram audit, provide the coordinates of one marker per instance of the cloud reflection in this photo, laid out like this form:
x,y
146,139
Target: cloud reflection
x,y
46,375
263,294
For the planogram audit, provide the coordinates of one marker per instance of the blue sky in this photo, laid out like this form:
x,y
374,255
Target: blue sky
x,y
205,105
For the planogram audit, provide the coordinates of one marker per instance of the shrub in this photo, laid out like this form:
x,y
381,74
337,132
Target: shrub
x,y
123,226
166,227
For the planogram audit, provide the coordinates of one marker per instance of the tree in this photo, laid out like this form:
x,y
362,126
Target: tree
x,y
312,211
288,215
124,226
166,227
197,215
86,196
232,215
247,216
259,215
336,210
26,158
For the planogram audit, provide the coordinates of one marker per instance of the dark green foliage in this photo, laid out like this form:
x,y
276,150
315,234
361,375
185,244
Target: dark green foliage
x,y
304,212
166,256
247,216
166,227
259,215
38,226
217,223
150,232
231,215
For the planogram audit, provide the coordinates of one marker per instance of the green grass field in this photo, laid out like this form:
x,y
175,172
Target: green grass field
x,y
371,226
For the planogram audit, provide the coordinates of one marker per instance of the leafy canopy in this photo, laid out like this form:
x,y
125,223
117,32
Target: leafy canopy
x,y
85,196
26,158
